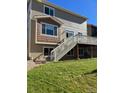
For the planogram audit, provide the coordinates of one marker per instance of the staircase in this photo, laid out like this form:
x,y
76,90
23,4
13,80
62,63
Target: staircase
x,y
63,48
70,43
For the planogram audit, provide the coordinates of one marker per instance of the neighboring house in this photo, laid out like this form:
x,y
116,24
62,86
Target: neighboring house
x,y
91,30
58,34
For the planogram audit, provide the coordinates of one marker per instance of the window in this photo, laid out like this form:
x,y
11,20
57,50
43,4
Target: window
x,y
71,52
46,10
81,51
69,33
49,11
49,29
55,31
43,28
47,51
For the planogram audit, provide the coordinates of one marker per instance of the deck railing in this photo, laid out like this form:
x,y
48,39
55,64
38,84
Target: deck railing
x,y
87,40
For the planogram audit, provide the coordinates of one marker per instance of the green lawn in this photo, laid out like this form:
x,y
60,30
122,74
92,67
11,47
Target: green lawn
x,y
72,76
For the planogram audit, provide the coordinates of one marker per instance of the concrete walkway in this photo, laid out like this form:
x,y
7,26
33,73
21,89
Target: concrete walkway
x,y
31,64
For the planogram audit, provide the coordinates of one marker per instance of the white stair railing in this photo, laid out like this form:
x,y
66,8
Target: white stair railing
x,y
70,43
63,48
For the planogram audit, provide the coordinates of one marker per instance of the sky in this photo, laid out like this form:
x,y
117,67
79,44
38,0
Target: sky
x,y
87,8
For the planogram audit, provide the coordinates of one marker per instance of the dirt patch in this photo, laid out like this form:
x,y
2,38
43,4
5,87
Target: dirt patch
x,y
31,64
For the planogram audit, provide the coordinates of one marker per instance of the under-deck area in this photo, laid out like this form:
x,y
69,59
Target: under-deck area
x,y
81,51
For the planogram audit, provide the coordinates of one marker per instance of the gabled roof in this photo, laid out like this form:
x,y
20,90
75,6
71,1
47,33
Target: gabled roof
x,y
47,16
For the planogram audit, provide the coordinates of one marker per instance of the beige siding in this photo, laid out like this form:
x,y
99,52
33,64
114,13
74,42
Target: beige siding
x,y
67,16
70,21
36,49
68,25
37,6
74,27
58,13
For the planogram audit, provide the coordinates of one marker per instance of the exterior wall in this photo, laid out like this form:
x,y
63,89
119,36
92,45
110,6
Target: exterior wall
x,y
74,27
36,49
68,25
84,28
71,22
66,16
37,6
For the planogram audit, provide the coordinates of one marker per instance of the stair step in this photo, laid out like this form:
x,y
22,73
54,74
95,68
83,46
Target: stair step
x,y
63,48
40,59
40,62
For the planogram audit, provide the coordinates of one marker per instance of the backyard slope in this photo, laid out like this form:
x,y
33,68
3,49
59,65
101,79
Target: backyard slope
x,y
73,76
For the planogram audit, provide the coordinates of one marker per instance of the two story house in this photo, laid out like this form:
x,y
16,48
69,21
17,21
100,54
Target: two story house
x,y
55,33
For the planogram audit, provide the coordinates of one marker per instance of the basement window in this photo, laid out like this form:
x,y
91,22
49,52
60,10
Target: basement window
x,y
47,51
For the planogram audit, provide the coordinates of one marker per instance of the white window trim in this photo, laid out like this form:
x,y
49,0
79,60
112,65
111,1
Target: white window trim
x,y
45,30
70,31
49,8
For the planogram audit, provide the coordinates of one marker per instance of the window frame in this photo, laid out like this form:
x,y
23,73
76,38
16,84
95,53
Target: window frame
x,y
46,30
49,10
69,31
48,50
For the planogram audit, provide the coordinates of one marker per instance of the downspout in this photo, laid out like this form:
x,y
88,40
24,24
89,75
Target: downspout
x,y
29,7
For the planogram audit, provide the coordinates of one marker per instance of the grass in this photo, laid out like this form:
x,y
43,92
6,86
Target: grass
x,y
72,76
